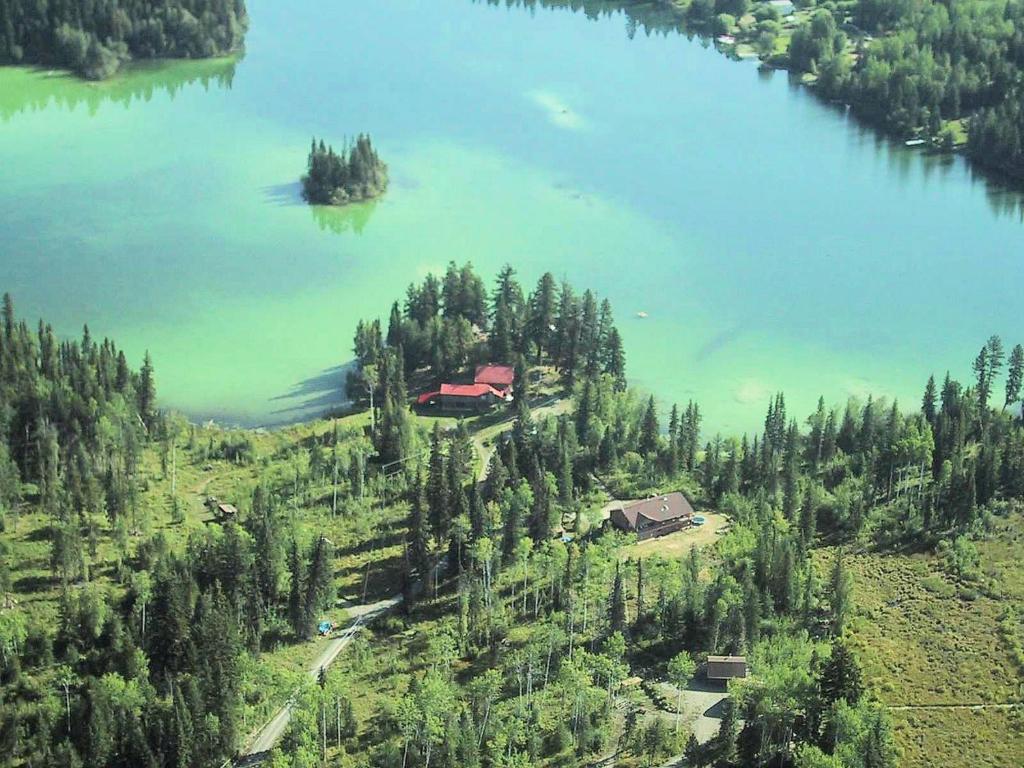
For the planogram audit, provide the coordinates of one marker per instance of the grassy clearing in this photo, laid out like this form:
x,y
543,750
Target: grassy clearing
x,y
925,639
677,544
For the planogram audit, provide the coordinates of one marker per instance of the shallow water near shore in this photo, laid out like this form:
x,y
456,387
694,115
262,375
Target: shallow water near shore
x,y
771,241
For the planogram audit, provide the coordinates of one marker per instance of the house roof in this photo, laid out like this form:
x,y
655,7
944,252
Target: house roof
x,y
726,667
658,509
469,390
459,390
495,375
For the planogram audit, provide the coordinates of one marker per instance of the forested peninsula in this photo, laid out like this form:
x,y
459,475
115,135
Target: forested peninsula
x,y
355,174
95,39
947,72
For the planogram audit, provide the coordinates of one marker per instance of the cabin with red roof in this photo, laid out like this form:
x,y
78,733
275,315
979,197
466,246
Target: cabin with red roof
x,y
462,397
492,384
498,376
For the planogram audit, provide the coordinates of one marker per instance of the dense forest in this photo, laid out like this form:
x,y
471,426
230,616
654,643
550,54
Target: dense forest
x,y
94,39
912,66
353,175
146,651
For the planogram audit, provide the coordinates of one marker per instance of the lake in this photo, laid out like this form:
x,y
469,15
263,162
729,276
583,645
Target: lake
x,y
773,243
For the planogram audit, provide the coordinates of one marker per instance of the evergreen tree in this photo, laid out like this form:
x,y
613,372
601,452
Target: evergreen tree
x,y
296,612
1014,377
928,402
649,429
841,676
617,605
147,392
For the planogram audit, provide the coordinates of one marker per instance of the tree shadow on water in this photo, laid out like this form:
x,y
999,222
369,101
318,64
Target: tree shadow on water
x,y
284,195
314,396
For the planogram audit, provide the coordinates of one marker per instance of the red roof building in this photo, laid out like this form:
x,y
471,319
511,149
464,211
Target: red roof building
x,y
498,376
462,397
491,384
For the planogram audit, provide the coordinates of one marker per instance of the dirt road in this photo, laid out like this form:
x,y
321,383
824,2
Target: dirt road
x,y
274,729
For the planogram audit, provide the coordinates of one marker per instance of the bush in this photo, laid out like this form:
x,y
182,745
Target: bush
x,y
938,586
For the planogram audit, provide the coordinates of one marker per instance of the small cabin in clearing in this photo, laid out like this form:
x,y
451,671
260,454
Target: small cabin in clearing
x,y
221,510
655,516
724,668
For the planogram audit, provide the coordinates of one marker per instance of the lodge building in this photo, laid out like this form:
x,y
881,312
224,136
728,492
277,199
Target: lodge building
x,y
492,384
655,516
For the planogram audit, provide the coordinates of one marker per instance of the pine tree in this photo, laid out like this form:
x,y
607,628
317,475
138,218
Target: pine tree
x,y
438,486
723,744
617,604
418,529
616,360
841,676
928,402
296,614
1014,377
649,429
318,581
147,392
840,588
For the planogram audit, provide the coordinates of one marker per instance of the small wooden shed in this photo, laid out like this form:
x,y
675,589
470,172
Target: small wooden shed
x,y
726,667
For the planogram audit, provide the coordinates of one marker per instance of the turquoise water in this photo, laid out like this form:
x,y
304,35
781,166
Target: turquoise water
x,y
772,242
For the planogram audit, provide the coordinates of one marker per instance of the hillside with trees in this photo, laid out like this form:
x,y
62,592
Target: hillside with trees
x,y
355,174
95,40
137,630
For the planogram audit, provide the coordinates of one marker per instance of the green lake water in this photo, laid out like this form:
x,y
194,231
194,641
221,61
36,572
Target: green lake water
x,y
773,242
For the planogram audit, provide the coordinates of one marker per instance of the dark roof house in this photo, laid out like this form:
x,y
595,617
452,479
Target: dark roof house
x,y
655,516
726,667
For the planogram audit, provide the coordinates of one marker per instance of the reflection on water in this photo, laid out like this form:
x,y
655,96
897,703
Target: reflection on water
x,y
650,18
340,220
1005,195
23,89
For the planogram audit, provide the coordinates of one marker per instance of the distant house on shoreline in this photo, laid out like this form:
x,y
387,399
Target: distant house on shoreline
x,y
492,384
655,516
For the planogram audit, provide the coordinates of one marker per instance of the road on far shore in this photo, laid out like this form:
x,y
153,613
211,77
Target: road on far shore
x,y
274,729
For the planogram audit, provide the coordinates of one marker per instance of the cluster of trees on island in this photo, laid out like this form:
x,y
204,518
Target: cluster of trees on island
x,y
335,178
95,39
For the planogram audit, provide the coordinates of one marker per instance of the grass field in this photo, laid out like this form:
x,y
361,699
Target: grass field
x,y
930,645
677,544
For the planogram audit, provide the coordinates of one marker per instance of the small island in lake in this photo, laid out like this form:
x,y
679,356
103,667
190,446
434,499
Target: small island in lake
x,y
351,176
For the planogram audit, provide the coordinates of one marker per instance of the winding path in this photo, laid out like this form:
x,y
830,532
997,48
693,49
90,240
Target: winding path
x,y
273,729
